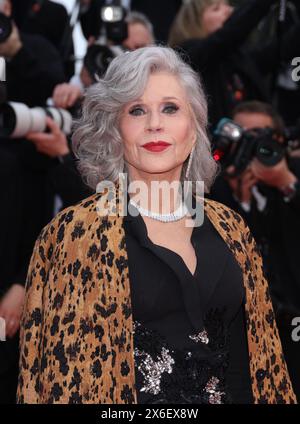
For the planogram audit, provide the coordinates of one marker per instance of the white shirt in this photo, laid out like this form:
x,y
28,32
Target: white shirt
x,y
261,201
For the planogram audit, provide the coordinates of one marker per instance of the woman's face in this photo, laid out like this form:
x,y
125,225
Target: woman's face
x,y
163,118
215,16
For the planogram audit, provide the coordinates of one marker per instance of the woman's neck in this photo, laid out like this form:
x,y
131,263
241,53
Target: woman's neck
x,y
160,193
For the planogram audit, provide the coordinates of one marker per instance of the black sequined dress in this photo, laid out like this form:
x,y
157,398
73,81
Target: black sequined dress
x,y
190,342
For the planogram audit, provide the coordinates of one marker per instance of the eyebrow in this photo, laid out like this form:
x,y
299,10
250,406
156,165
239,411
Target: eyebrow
x,y
164,98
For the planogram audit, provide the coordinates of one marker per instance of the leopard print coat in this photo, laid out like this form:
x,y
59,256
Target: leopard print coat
x,y
76,337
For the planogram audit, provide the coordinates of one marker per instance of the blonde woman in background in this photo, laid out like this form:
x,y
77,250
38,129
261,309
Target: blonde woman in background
x,y
212,34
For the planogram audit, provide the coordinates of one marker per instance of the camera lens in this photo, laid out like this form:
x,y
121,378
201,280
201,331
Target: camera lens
x,y
5,27
61,117
269,152
17,119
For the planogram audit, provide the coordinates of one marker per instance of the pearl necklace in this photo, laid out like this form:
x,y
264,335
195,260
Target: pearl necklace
x,y
168,217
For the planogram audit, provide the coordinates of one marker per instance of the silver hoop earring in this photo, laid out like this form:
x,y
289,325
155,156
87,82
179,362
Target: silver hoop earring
x,y
189,163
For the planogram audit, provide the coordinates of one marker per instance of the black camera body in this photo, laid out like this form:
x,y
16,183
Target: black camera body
x,y
233,146
114,30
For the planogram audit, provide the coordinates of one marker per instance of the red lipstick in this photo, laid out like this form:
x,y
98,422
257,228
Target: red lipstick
x,y
156,146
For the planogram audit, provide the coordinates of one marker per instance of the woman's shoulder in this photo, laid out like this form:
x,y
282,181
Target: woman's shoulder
x,y
223,212
232,228
81,210
228,222
74,219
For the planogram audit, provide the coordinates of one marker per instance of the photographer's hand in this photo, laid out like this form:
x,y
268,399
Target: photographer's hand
x,y
12,45
65,95
52,144
242,185
11,306
278,176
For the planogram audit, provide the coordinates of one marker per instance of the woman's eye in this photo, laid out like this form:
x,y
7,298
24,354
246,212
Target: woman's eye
x,y
171,108
137,111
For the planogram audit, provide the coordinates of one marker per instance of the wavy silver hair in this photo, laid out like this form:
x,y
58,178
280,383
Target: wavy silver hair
x,y
97,142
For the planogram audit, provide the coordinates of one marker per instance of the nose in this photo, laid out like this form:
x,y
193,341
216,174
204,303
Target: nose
x,y
154,122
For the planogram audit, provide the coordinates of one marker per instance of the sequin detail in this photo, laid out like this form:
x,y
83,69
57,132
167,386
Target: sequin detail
x,y
153,370
168,375
215,396
200,337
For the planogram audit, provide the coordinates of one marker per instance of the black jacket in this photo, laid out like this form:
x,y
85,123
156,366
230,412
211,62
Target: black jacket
x,y
34,71
50,20
277,232
26,206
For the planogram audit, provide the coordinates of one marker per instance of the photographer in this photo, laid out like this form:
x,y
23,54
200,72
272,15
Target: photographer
x,y
268,197
161,17
33,69
269,200
212,35
33,66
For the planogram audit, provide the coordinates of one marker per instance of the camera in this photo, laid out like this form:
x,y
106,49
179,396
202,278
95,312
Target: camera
x,y
114,29
17,119
234,146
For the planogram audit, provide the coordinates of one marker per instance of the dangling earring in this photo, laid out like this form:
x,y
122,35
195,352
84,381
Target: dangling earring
x,y
189,163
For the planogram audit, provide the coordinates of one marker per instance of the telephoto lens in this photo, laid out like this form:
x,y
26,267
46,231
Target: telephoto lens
x,y
17,119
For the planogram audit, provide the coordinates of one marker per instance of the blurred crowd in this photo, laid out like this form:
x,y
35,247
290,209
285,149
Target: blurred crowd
x,y
246,55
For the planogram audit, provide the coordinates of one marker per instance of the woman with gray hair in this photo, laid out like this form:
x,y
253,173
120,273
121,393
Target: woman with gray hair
x,y
128,298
